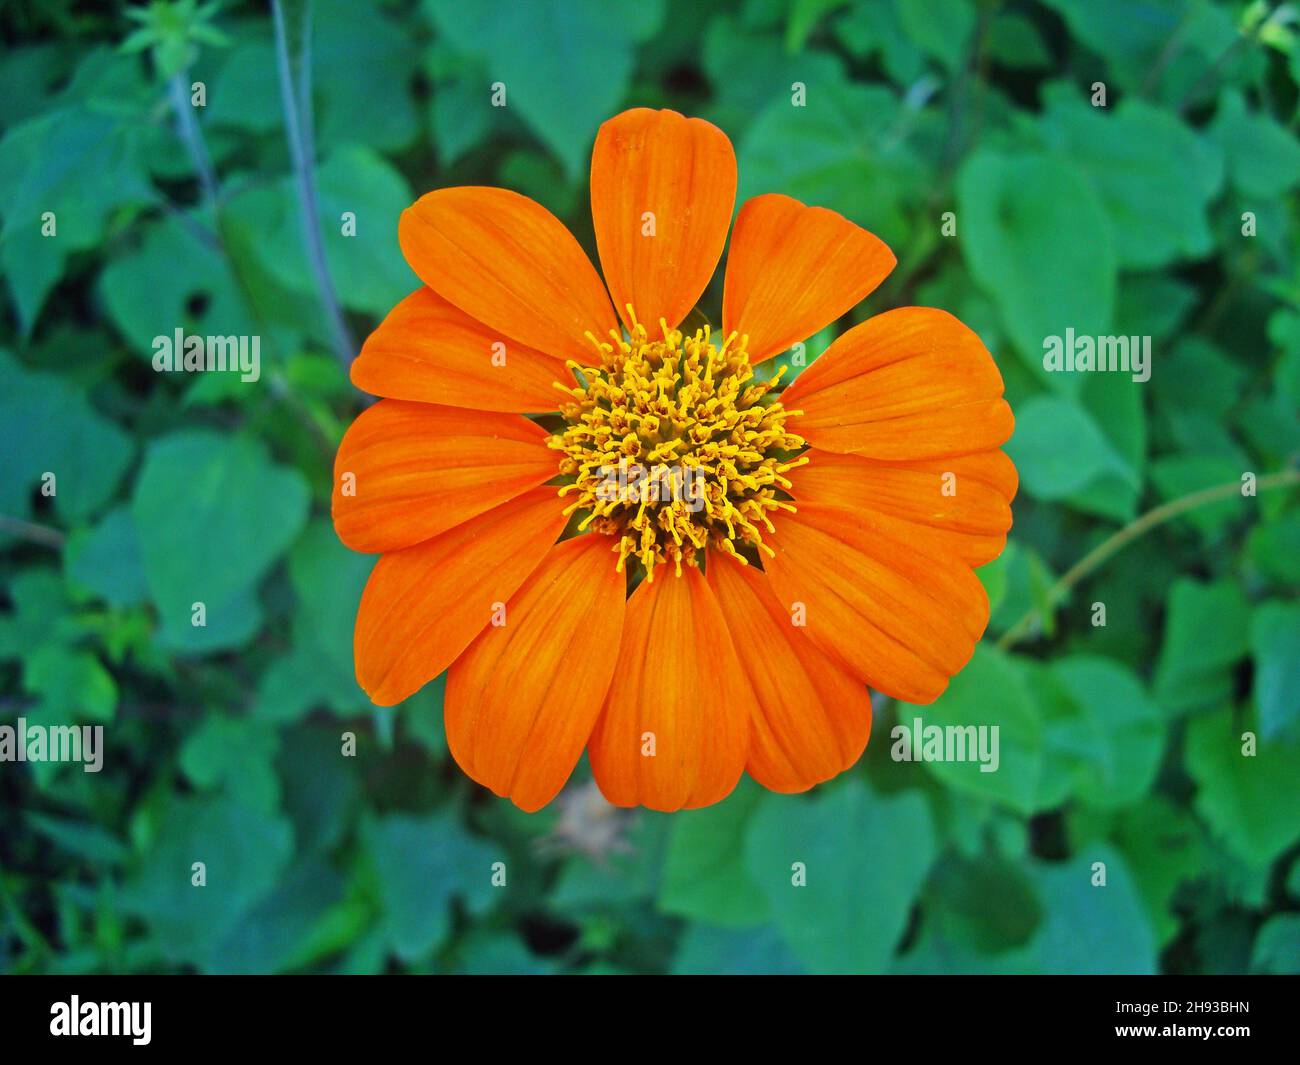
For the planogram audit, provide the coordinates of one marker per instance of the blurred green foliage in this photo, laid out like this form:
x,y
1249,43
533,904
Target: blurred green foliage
x,y
1120,743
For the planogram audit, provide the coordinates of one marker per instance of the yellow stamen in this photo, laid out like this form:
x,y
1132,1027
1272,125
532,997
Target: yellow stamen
x,y
672,450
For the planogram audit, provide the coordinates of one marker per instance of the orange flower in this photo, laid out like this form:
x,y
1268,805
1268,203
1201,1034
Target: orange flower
x,y
786,548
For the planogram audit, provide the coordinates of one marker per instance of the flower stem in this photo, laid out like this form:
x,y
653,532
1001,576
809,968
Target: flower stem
x,y
29,530
1133,531
297,121
192,138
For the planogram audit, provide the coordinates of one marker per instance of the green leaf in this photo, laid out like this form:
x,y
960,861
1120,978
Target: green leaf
x,y
486,953
1014,41
706,950
1039,242
1271,426
1206,632
72,684
870,30
842,150
1153,305
275,932
367,268
565,66
44,167
1165,848
940,28
91,842
364,78
624,876
1252,802
213,513
1284,331
993,575
320,788
1058,449
148,297
48,427
1263,158
750,70
106,559
364,61
704,875
1277,947
1175,476
1131,35
235,753
29,74
1090,930
1155,176
328,580
1116,938
1274,547
1114,401
1028,587
459,116
865,858
1104,743
1205,379
422,863
243,852
1275,648
41,614
1016,779
987,904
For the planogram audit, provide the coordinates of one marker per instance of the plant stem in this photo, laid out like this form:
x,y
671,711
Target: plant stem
x,y
29,530
1132,531
297,121
192,138
1210,74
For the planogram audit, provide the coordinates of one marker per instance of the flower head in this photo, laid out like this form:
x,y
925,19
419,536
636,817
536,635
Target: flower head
x,y
679,419
614,535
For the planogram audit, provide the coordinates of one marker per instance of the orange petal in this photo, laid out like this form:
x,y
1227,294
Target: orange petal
x,y
794,269
683,172
992,469
897,616
425,604
913,383
508,262
430,351
679,693
419,469
521,702
812,718
955,506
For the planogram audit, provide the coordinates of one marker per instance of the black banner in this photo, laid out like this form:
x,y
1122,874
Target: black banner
x,y
168,1014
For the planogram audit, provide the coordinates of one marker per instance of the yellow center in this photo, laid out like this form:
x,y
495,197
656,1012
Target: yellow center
x,y
669,449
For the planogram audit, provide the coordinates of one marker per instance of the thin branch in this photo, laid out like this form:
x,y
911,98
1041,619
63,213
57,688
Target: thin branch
x,y
192,137
300,144
306,107
962,92
1172,46
186,221
1132,531
29,530
1211,73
